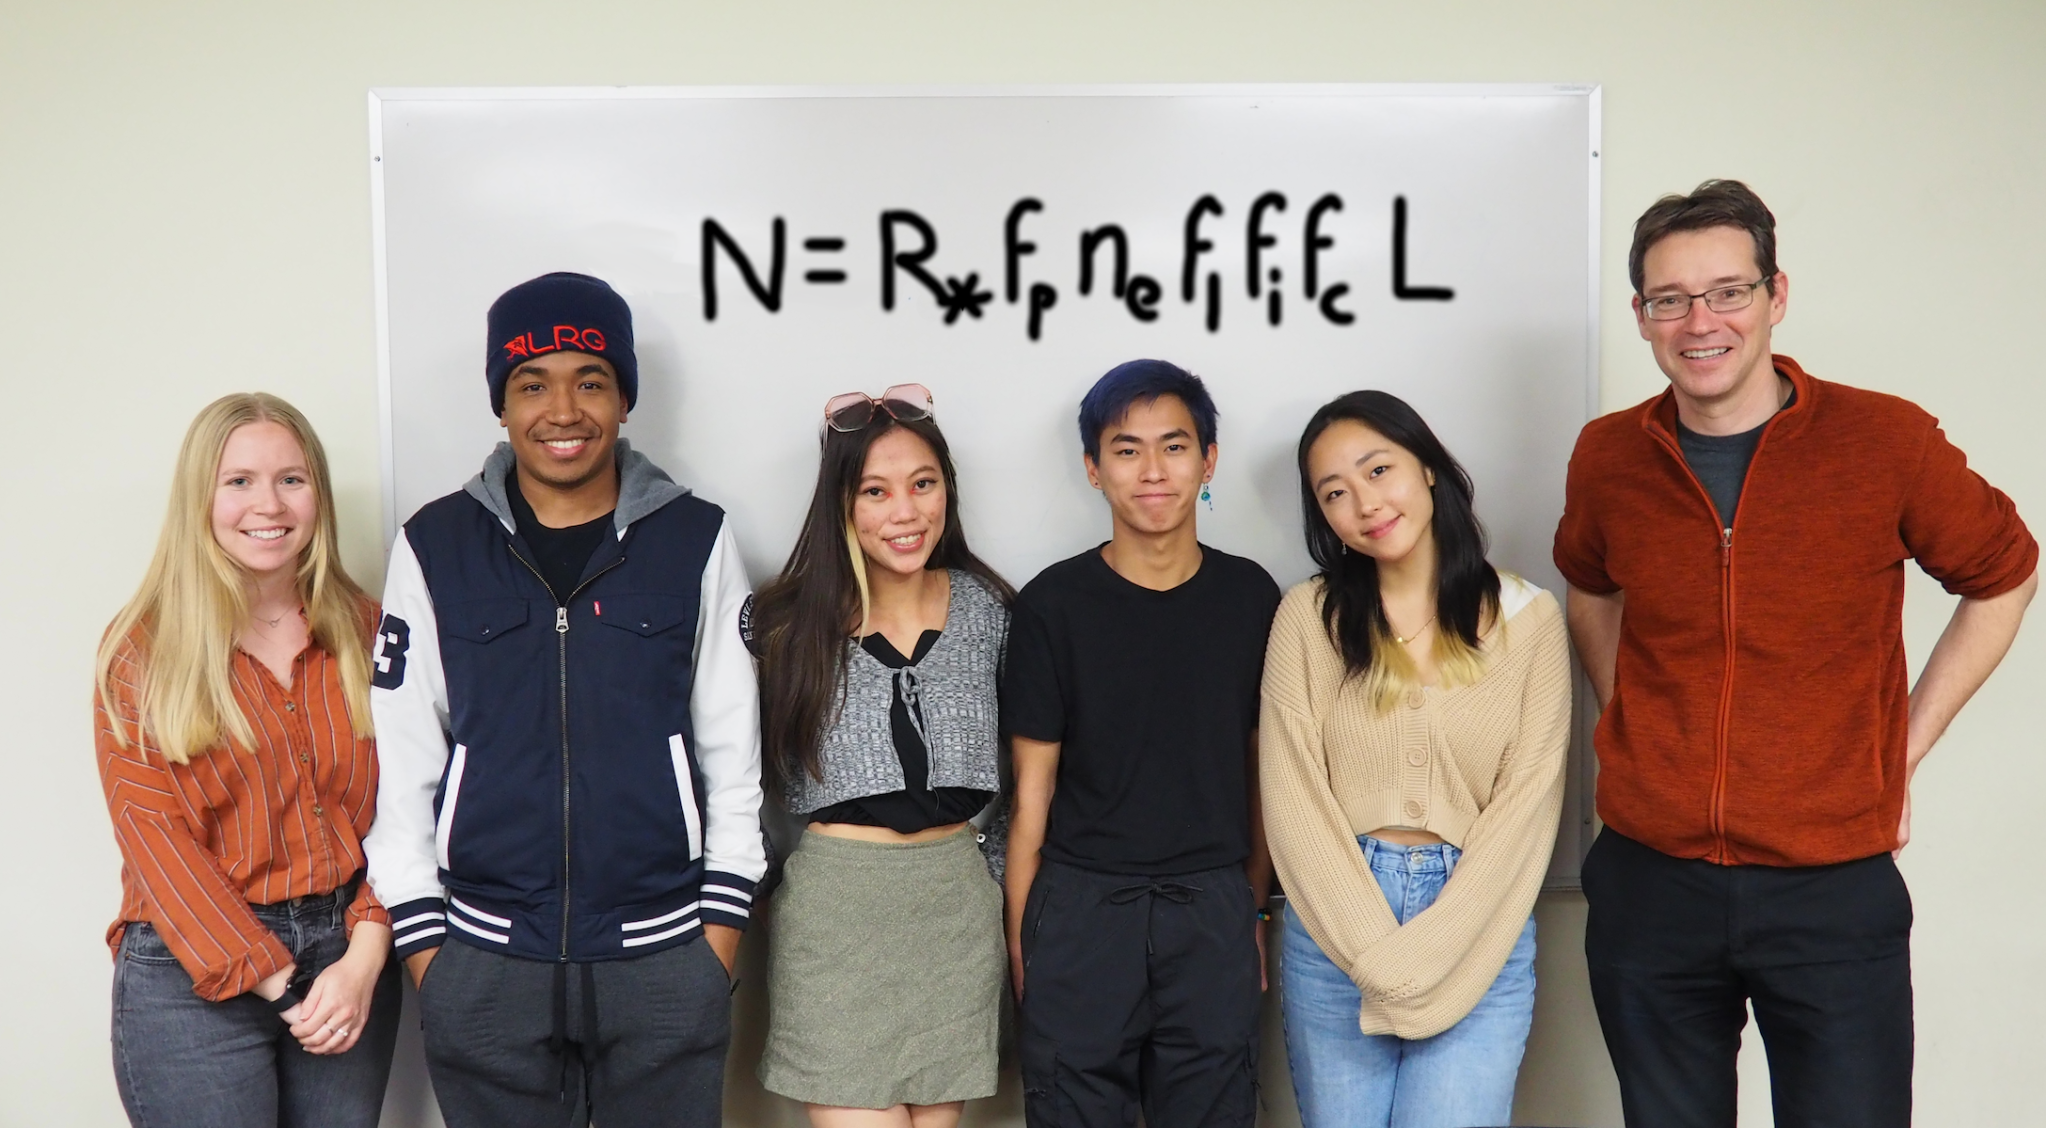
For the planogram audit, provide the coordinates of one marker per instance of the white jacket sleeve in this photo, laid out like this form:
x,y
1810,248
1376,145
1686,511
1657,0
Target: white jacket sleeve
x,y
409,699
724,708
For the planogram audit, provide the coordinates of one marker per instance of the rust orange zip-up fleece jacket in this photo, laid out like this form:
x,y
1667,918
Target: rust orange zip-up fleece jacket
x,y
1760,698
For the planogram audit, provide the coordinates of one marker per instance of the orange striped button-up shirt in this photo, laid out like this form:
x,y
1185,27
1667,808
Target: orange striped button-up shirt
x,y
201,842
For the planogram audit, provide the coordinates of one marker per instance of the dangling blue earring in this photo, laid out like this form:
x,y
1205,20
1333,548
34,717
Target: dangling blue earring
x,y
1207,497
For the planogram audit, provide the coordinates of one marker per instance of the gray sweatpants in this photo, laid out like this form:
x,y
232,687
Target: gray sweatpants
x,y
516,1043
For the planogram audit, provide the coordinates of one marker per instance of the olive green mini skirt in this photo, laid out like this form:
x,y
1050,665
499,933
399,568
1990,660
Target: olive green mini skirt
x,y
886,967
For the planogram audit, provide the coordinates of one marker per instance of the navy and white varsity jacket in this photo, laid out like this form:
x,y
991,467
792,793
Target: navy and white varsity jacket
x,y
576,781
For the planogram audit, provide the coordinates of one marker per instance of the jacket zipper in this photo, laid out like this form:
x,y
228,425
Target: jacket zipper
x,y
1722,735
561,653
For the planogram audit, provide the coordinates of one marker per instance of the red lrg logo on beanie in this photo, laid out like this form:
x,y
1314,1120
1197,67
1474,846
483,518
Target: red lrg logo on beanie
x,y
589,340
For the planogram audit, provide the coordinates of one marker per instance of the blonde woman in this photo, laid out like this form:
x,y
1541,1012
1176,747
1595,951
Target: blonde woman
x,y
1416,714
251,984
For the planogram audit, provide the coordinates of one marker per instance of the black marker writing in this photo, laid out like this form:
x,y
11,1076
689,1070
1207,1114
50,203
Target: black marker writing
x,y
1089,240
716,237
909,262
1108,260
1192,248
1014,247
830,244
1400,289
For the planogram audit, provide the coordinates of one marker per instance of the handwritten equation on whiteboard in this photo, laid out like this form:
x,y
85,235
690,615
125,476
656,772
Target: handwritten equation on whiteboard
x,y
907,248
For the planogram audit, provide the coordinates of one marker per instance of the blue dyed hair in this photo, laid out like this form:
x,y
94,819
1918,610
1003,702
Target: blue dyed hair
x,y
1141,381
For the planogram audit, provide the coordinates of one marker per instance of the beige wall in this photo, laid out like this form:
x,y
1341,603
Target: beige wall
x,y
184,211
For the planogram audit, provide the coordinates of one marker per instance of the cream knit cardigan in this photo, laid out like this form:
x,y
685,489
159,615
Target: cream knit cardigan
x,y
1482,766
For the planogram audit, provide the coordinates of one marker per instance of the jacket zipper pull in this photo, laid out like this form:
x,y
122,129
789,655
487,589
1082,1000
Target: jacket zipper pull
x,y
1725,549
561,620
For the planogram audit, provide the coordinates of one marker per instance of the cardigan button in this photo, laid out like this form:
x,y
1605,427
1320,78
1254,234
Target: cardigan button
x,y
1416,697
1413,809
1417,757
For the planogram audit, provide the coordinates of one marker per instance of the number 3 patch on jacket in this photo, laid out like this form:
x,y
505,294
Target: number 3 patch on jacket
x,y
393,638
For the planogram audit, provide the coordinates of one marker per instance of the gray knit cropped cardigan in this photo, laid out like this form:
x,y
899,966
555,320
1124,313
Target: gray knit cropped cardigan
x,y
953,691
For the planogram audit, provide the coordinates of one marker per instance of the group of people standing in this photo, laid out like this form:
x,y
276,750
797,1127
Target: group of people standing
x,y
535,773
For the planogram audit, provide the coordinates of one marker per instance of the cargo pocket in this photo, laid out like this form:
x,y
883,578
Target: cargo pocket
x,y
1045,1102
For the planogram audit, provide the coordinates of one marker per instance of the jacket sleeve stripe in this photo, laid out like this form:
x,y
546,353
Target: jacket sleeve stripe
x,y
725,710
678,753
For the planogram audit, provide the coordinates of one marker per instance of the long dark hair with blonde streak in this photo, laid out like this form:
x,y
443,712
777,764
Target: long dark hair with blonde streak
x,y
804,618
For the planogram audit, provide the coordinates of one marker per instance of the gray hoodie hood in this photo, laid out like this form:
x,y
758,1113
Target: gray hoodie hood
x,y
642,486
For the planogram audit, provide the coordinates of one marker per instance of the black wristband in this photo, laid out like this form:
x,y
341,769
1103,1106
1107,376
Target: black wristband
x,y
286,1001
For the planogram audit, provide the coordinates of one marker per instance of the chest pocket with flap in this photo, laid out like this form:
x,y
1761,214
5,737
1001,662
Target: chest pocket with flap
x,y
646,615
484,620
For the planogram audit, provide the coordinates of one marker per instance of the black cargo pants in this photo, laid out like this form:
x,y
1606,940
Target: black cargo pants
x,y
1139,990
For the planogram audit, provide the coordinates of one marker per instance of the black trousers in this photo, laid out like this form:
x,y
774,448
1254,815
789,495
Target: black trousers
x,y
1139,990
1678,949
634,1043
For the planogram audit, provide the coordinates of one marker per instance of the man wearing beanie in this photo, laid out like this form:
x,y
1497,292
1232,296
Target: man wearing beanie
x,y
568,736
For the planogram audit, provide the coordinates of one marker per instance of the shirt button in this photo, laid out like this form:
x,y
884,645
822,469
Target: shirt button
x,y
305,758
1417,758
1413,809
291,706
319,810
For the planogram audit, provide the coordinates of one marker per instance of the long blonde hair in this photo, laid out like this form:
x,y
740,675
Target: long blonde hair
x,y
184,623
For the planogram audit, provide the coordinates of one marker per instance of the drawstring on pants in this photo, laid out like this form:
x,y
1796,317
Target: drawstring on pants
x,y
557,1040
1178,892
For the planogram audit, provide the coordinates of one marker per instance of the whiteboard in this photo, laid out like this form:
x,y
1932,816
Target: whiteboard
x,y
1286,243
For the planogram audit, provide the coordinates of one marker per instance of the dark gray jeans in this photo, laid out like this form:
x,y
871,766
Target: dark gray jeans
x,y
180,1060
641,1041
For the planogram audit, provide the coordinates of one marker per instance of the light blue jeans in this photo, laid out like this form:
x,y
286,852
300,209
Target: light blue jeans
x,y
1343,1078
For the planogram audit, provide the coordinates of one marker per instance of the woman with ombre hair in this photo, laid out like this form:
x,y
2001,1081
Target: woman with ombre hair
x,y
1416,719
251,984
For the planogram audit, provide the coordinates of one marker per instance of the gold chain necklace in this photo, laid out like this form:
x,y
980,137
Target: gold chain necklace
x,y
1417,631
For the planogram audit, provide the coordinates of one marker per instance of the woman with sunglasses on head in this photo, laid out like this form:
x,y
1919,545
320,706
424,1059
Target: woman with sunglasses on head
x,y
251,985
879,648
1416,718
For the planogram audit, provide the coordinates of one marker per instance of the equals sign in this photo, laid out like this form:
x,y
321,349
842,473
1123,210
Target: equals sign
x,y
828,244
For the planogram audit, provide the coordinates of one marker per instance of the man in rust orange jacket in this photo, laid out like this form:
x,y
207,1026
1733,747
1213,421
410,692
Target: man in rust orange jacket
x,y
1735,549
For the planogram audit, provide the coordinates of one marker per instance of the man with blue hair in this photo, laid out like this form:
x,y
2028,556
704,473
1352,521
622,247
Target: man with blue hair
x,y
1137,868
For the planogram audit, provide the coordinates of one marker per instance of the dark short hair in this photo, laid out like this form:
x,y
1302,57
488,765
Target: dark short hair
x,y
1715,203
1141,381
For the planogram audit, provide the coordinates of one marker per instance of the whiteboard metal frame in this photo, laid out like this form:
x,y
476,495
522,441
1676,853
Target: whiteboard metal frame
x,y
1587,714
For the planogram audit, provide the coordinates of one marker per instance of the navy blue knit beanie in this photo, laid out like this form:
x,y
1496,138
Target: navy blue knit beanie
x,y
560,312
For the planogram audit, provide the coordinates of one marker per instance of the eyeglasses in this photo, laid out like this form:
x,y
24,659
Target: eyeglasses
x,y
1719,299
904,403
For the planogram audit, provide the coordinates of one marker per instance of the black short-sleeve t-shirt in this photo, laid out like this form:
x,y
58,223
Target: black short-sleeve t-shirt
x,y
1152,697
